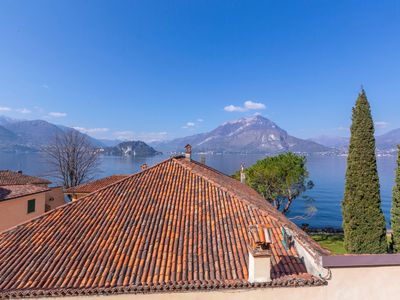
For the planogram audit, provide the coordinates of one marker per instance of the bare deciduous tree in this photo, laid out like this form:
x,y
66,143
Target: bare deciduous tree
x,y
72,158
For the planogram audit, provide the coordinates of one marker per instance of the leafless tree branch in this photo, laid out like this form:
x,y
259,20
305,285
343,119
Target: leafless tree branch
x,y
72,159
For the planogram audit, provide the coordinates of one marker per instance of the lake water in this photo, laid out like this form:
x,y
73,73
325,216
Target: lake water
x,y
327,173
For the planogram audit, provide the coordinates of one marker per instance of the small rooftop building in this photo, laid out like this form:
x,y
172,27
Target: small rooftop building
x,y
178,229
23,197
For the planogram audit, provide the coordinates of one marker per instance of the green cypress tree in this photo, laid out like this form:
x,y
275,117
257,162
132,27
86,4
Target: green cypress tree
x,y
363,219
395,212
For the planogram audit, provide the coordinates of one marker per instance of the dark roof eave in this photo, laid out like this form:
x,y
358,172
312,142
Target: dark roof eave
x,y
210,286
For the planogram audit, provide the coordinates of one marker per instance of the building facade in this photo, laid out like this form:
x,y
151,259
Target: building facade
x,y
24,197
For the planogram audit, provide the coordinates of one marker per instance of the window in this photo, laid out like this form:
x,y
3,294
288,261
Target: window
x,y
31,206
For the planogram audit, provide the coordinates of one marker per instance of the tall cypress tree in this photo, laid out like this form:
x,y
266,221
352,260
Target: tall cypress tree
x,y
363,219
395,212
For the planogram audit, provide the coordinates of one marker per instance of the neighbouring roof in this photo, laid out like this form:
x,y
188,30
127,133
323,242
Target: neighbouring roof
x,y
8,192
95,185
176,226
8,177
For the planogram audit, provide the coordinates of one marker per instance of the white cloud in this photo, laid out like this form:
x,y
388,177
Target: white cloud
x,y
57,114
254,105
91,130
247,105
189,125
23,110
124,135
233,108
381,124
3,108
200,120
45,86
142,136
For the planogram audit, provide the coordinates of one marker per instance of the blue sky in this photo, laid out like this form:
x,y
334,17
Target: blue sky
x,y
162,69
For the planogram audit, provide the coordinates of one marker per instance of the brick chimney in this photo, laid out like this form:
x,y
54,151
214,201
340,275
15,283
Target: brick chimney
x,y
242,174
188,152
259,254
143,167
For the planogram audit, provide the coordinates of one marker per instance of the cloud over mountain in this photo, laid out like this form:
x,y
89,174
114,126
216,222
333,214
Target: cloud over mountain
x,y
247,105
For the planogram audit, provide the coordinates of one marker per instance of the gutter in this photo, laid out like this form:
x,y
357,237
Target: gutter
x,y
360,260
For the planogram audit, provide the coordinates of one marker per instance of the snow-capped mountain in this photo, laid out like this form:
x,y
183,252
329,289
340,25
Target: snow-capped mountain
x,y
254,134
30,135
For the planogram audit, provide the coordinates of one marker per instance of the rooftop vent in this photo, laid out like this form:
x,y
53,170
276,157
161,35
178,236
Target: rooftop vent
x,y
259,254
143,167
188,152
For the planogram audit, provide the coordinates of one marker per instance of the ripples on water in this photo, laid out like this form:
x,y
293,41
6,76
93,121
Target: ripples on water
x,y
327,174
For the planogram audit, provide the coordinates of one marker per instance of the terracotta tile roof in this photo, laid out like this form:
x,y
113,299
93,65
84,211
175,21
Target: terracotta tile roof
x,y
95,185
8,192
8,177
176,226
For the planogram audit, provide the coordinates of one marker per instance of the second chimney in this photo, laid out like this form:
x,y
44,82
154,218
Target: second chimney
x,y
242,174
188,152
259,254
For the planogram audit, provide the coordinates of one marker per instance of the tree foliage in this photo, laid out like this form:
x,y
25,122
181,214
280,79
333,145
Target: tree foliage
x,y
279,179
363,219
395,212
72,158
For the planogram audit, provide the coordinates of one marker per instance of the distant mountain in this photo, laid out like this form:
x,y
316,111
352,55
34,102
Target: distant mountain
x,y
8,139
337,142
6,120
109,143
7,136
247,135
34,133
384,143
389,140
137,148
31,135
95,142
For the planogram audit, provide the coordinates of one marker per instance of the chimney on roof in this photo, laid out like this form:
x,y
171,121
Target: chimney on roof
x,y
242,174
188,152
143,167
19,171
259,254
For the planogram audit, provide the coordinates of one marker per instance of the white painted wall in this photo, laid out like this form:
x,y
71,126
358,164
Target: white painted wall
x,y
14,211
373,283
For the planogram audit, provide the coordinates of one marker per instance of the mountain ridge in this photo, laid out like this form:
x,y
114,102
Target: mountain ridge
x,y
254,134
386,142
32,135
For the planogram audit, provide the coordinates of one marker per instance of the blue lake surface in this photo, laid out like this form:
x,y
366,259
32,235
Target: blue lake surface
x,y
327,173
